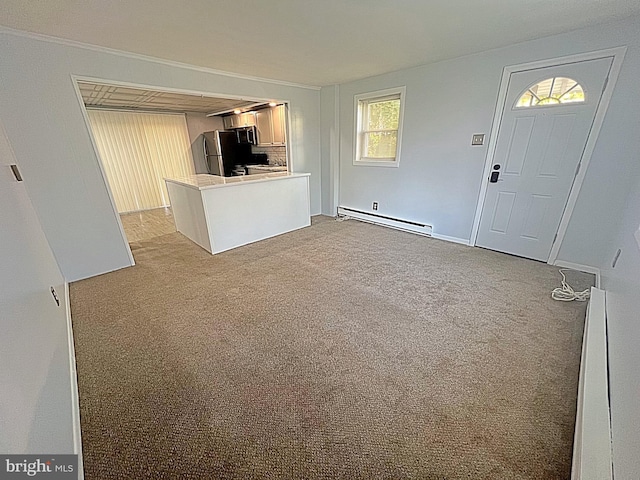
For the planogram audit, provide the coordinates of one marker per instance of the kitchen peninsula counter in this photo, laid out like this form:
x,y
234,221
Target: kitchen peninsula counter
x,y
220,213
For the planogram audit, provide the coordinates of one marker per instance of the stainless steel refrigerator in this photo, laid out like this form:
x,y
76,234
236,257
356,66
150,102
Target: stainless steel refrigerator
x,y
222,152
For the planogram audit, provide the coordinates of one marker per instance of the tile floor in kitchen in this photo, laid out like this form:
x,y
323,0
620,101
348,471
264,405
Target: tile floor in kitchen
x,y
147,224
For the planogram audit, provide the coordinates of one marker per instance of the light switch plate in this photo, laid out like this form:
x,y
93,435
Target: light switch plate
x,y
477,139
637,236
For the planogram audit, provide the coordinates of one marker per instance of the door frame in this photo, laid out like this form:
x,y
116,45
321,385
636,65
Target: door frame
x,y
618,54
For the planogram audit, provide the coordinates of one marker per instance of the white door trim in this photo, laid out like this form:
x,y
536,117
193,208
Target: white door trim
x,y
618,56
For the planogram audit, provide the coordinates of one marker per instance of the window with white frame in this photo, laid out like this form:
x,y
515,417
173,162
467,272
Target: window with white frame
x,y
379,127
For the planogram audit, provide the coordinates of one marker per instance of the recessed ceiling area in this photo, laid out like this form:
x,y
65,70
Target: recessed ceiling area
x,y
99,95
308,42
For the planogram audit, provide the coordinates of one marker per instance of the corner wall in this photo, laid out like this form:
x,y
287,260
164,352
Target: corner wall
x,y
44,123
329,147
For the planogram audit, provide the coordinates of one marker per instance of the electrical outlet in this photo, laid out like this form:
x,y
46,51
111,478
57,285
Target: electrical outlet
x,y
375,205
477,139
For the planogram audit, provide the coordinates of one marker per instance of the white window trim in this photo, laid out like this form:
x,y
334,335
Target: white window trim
x,y
357,127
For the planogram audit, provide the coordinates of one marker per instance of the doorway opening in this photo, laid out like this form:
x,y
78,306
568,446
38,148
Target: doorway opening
x,y
144,134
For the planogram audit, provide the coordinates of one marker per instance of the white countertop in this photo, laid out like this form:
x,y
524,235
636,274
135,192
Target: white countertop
x,y
267,168
204,181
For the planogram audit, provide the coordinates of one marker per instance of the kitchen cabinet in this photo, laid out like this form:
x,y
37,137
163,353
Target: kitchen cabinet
x,y
230,121
263,125
238,121
247,120
270,123
279,130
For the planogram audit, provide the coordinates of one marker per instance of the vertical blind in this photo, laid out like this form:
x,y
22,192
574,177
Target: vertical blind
x,y
138,150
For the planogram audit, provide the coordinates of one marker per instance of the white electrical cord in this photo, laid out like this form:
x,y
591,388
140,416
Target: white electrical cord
x,y
568,294
342,218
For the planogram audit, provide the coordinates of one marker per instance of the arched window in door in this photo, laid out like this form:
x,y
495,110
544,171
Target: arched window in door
x,y
552,91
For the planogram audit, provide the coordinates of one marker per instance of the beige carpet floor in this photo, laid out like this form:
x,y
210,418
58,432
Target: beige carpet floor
x,y
340,351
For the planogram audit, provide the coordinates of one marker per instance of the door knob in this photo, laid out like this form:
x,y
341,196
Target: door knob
x,y
495,174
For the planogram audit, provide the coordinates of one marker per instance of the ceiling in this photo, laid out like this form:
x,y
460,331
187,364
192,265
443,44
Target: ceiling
x,y
113,96
313,42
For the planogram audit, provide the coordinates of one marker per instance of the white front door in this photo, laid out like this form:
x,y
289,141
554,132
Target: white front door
x,y
546,120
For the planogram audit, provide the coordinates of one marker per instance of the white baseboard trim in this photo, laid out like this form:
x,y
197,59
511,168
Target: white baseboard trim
x,y
378,219
75,399
446,238
580,268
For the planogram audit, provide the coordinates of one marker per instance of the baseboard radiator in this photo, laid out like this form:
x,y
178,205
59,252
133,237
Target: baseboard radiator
x,y
592,459
397,223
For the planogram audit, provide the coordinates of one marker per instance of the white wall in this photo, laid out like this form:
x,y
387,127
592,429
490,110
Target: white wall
x,y
440,173
197,123
35,382
43,119
622,284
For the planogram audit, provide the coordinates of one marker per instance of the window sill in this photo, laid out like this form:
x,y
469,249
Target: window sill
x,y
376,163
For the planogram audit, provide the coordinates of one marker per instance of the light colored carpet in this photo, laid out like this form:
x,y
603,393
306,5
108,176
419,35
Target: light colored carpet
x,y
343,350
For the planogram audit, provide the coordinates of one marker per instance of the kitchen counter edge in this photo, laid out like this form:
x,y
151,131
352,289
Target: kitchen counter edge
x,y
206,182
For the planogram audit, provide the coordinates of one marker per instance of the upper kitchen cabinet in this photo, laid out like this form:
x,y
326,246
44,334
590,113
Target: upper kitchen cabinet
x,y
239,121
265,129
270,123
279,129
231,121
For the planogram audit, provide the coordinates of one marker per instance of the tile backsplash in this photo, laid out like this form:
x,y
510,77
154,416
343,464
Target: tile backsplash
x,y
277,155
